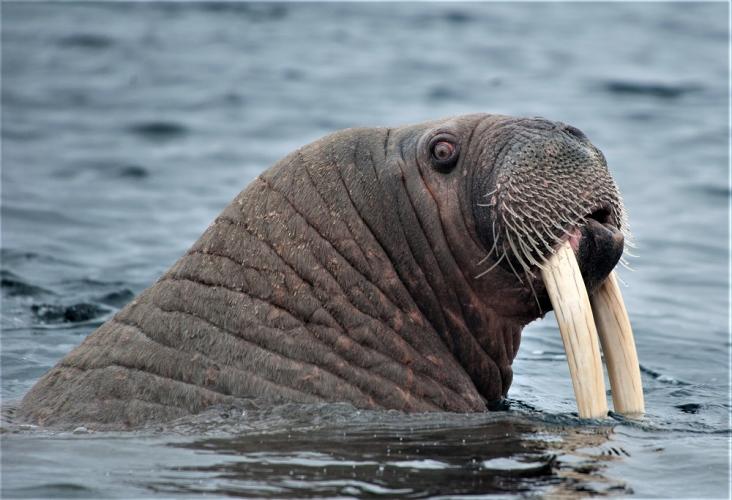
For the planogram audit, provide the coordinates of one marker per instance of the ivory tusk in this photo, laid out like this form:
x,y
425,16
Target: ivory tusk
x,y
618,346
568,296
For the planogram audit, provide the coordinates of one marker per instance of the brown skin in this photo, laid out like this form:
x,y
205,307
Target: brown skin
x,y
345,272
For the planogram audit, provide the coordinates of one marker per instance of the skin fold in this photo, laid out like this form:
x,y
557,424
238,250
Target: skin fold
x,y
386,267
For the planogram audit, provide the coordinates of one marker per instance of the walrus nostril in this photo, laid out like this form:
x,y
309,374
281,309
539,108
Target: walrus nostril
x,y
602,216
575,132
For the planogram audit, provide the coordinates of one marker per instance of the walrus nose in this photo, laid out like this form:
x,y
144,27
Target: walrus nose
x,y
574,131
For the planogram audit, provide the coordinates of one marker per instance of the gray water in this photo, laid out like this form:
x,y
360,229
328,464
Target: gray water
x,y
127,127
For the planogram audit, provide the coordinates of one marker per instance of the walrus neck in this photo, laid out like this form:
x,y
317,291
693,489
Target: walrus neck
x,y
484,343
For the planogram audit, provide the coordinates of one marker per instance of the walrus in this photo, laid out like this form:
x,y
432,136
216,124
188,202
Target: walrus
x,y
391,268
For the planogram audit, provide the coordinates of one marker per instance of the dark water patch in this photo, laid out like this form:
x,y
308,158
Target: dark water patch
x,y
715,190
72,98
18,132
457,17
443,93
649,89
451,17
108,293
92,41
93,283
17,256
642,116
159,130
37,215
15,286
55,490
118,298
692,408
293,74
661,377
233,98
75,313
251,10
133,172
105,167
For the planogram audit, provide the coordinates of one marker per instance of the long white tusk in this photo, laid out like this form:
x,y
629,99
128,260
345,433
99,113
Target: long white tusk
x,y
618,346
568,295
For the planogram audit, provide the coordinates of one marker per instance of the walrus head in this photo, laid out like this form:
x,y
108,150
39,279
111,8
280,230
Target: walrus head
x,y
524,185
510,192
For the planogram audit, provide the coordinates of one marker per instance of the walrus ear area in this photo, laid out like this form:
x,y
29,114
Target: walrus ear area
x,y
444,150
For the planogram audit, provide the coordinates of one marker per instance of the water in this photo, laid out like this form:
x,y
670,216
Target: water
x,y
127,127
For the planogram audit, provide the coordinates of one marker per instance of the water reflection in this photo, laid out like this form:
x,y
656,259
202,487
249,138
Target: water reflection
x,y
404,456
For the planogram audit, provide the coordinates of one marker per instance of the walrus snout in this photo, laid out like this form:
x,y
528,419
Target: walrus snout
x,y
599,250
550,185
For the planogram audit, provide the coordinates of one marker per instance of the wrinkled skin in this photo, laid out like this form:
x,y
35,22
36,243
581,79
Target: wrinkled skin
x,y
348,271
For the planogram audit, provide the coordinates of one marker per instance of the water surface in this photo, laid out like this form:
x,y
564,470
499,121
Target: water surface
x,y
127,127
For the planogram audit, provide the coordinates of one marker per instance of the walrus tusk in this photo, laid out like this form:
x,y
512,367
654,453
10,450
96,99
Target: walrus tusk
x,y
618,346
568,296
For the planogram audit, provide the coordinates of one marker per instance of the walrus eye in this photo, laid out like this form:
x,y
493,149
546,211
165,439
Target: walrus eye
x,y
444,153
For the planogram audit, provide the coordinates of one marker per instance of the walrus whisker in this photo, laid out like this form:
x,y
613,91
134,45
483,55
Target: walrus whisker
x,y
527,251
511,229
495,242
625,264
517,254
621,280
494,247
514,251
528,256
561,227
483,273
533,292
527,233
514,271
509,210
496,238
542,234
547,230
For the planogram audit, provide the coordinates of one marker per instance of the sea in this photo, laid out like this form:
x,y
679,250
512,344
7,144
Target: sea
x,y
127,127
